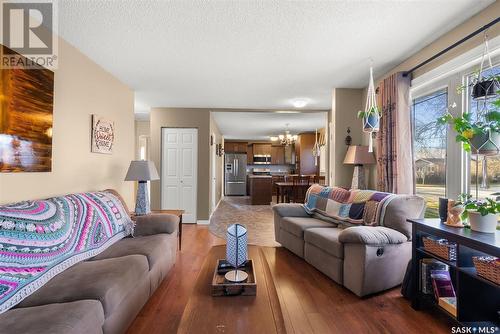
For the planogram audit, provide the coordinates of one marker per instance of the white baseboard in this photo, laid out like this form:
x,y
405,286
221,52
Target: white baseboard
x,y
203,222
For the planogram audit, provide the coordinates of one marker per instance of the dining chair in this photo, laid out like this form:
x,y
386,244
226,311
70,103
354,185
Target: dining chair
x,y
300,184
320,179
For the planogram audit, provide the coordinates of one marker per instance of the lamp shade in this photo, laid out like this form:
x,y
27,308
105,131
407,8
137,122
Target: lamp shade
x,y
359,155
141,170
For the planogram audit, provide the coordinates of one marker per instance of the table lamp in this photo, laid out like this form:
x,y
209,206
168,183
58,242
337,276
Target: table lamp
x,y
142,171
236,252
358,156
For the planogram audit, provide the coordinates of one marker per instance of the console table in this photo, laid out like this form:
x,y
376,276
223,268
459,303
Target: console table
x,y
478,299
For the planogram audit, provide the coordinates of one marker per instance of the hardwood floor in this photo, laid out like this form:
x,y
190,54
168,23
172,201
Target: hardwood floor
x,y
163,311
310,302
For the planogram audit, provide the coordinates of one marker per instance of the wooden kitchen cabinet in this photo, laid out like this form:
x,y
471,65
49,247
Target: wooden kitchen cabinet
x,y
235,147
278,155
250,154
262,149
303,151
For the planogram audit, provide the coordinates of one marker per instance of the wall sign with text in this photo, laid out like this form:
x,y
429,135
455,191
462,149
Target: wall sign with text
x,y
103,135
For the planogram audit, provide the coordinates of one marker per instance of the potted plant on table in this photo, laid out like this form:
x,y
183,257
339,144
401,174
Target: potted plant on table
x,y
482,214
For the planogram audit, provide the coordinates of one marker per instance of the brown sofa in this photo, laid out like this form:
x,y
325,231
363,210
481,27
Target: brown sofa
x,y
364,259
104,293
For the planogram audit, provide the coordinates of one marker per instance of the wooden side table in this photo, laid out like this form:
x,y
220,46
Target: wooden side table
x,y
177,213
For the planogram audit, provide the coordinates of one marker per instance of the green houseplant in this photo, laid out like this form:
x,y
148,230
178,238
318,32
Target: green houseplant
x,y
482,214
478,136
370,118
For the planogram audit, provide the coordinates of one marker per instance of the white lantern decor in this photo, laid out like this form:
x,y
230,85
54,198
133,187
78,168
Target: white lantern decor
x,y
236,252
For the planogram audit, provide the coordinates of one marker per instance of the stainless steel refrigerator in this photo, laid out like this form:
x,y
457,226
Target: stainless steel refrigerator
x,y
235,180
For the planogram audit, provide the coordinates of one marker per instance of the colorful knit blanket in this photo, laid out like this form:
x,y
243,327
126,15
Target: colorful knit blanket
x,y
347,207
40,239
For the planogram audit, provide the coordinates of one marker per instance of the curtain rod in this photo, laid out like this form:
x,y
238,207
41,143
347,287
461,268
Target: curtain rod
x,y
439,54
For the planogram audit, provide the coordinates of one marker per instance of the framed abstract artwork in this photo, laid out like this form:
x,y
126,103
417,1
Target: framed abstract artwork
x,y
103,135
26,109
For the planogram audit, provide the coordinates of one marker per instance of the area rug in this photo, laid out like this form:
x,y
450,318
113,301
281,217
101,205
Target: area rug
x,y
258,219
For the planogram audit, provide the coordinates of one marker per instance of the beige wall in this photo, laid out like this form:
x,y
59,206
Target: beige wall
x,y
183,118
81,88
142,128
214,130
345,106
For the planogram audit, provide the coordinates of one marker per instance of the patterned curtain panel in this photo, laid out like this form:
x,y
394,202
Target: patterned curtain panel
x,y
394,140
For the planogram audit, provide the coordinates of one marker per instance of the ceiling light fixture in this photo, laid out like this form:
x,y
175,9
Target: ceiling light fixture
x,y
299,103
286,138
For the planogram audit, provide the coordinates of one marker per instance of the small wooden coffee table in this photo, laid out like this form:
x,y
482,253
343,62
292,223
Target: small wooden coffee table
x,y
233,314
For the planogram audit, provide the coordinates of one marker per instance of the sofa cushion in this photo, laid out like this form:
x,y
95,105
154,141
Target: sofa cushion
x,y
297,225
290,210
78,317
154,247
108,281
326,239
401,208
372,235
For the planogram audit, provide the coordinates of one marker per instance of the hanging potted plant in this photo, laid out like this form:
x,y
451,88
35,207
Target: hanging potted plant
x,y
478,137
371,119
485,88
371,114
482,215
482,135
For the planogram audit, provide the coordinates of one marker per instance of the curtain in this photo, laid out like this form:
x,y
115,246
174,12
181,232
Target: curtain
x,y
394,140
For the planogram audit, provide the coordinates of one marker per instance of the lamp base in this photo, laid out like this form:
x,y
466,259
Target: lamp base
x,y
236,276
142,199
358,178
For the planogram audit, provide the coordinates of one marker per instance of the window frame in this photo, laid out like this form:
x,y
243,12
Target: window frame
x,y
457,179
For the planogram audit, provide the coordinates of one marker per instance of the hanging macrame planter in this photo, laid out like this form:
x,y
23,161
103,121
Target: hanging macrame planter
x,y
487,142
371,115
485,88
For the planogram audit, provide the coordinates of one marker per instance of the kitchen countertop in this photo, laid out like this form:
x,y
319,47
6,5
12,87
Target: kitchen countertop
x,y
251,176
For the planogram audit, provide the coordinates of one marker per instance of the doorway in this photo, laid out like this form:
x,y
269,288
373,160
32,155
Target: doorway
x,y
179,170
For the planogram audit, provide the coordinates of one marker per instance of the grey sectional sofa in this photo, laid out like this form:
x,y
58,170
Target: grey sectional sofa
x,y
364,259
104,293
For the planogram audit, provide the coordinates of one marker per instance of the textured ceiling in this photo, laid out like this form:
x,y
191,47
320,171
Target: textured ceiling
x,y
261,125
252,54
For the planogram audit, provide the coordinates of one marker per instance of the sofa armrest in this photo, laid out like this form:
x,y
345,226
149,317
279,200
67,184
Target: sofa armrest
x,y
290,210
156,223
371,235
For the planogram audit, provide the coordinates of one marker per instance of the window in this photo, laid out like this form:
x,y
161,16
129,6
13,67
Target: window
x,y
429,144
488,186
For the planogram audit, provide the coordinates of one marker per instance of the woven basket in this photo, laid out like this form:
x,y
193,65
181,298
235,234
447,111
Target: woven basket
x,y
442,248
488,267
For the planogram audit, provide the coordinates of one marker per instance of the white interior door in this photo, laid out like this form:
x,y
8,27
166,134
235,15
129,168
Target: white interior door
x,y
179,169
